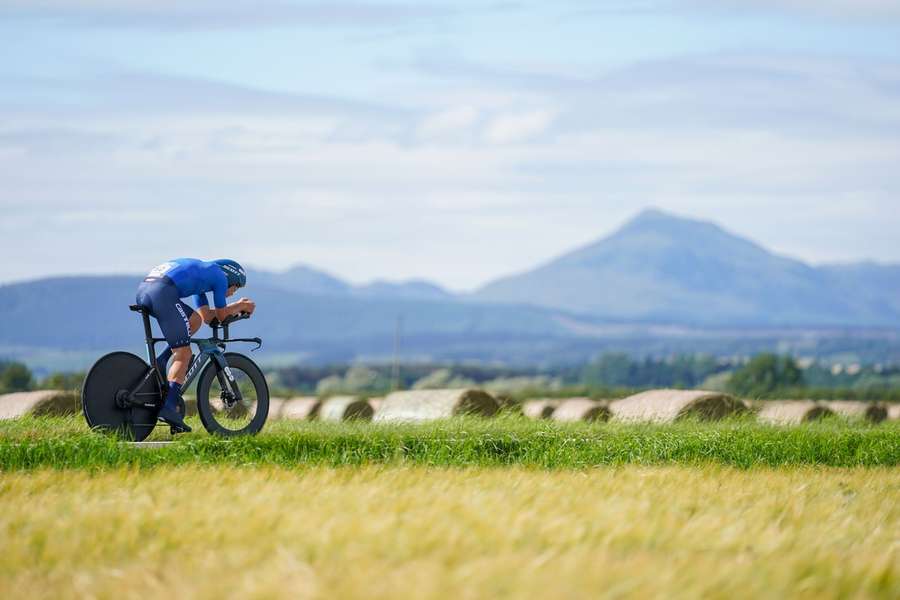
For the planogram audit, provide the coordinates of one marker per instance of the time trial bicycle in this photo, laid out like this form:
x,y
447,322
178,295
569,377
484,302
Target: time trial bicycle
x,y
122,394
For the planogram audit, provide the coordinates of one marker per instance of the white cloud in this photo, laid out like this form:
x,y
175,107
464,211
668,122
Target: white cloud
x,y
449,123
212,14
865,9
748,141
518,127
840,8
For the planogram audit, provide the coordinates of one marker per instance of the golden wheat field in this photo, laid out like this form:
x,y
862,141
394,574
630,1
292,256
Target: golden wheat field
x,y
415,532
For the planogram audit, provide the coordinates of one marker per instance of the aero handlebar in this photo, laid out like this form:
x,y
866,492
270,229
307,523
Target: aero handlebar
x,y
238,317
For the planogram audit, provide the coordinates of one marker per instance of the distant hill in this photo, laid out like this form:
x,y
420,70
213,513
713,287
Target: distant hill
x,y
663,268
659,285
301,279
416,289
87,313
874,285
304,279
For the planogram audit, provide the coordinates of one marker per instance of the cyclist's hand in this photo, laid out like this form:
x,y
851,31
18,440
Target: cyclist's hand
x,y
247,305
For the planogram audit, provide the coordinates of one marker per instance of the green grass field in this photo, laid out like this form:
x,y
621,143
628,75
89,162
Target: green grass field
x,y
468,508
66,443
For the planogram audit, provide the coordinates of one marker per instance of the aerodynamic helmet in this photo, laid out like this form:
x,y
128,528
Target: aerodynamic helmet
x,y
233,271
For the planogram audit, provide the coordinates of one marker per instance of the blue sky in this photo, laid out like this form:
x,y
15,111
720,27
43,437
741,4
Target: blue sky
x,y
456,141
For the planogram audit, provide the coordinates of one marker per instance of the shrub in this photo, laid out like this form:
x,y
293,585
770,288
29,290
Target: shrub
x,y
764,374
15,377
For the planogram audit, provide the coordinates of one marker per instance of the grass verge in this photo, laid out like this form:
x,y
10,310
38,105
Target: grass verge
x,y
65,443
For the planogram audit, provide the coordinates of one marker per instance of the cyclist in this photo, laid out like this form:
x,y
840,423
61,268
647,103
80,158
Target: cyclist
x,y
162,292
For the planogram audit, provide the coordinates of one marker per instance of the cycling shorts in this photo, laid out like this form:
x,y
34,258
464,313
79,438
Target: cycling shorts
x,y
160,296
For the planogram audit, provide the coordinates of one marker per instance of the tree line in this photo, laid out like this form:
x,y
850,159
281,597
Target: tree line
x,y
17,377
610,375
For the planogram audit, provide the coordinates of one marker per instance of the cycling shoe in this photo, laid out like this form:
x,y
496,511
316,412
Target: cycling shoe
x,y
175,420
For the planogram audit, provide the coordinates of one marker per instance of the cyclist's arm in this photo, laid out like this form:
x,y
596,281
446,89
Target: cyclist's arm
x,y
203,309
232,309
220,310
208,314
223,310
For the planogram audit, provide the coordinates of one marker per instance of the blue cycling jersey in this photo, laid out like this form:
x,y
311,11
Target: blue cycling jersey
x,y
195,278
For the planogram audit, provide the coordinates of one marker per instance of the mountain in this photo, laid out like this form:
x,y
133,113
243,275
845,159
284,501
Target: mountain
x,y
301,279
658,286
65,323
874,284
89,315
414,289
663,268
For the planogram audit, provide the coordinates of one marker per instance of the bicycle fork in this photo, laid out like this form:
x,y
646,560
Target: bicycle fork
x,y
231,392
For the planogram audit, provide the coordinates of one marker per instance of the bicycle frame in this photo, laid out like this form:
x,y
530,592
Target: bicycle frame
x,y
210,349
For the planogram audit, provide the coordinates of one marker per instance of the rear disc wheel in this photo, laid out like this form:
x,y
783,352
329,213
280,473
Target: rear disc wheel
x,y
114,375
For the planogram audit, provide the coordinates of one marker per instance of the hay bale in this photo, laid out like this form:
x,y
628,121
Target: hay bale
x,y
54,403
190,405
755,405
275,406
508,404
539,409
344,408
581,409
666,406
426,405
300,408
893,412
791,412
868,411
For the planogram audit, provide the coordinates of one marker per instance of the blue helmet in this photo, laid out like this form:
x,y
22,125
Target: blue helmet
x,y
233,271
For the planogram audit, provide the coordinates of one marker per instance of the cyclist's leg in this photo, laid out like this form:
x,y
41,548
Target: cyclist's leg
x,y
162,360
147,291
175,319
145,294
176,327
178,322
181,356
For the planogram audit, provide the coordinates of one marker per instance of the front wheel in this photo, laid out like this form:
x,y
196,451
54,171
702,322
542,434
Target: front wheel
x,y
219,412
